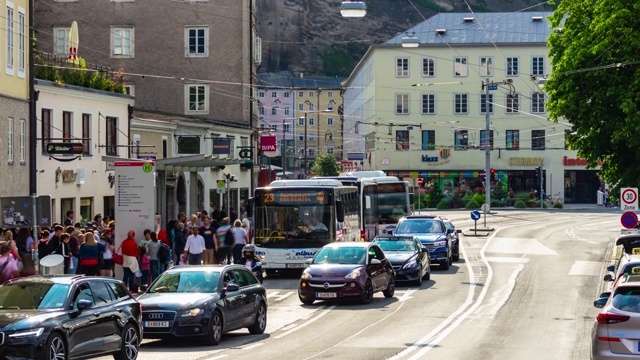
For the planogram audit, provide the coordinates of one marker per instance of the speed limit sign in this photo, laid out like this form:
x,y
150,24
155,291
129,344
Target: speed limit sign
x,y
629,199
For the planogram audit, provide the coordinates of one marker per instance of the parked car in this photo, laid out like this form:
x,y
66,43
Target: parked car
x,y
204,301
432,232
455,238
347,270
627,265
616,331
630,243
61,317
409,258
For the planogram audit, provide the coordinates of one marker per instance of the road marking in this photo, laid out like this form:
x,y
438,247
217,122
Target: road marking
x,y
274,296
407,295
509,245
514,260
305,324
252,346
500,296
590,268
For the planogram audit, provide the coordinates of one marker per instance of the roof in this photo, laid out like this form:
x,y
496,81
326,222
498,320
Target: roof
x,y
286,80
472,28
358,244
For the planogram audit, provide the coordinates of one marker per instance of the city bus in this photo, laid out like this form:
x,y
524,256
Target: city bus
x,y
293,219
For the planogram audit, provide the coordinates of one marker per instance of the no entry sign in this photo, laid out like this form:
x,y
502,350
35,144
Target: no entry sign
x,y
629,219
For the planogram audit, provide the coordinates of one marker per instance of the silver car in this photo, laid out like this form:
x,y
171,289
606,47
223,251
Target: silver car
x,y
616,332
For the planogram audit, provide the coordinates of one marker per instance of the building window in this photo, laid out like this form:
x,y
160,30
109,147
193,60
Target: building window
x,y
10,141
512,103
429,104
330,121
312,121
461,104
301,122
483,139
537,139
486,66
46,128
263,126
402,140
311,106
287,110
262,110
286,94
67,126
328,136
513,66
274,128
130,89
312,152
330,150
460,66
537,65
22,42
537,102
197,39
461,139
402,104
300,137
274,94
312,137
310,94
274,110
261,94
300,94
428,139
23,141
329,94
9,42
122,42
513,140
61,40
86,134
402,67
287,128
112,136
197,99
301,107
330,106
428,67
484,103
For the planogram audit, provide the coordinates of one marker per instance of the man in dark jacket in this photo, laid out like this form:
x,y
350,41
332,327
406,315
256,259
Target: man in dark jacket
x,y
251,262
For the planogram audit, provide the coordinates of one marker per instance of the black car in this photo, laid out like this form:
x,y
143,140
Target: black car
x,y
204,301
409,258
432,233
455,238
64,317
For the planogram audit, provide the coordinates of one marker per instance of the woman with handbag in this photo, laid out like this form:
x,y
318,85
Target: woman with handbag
x,y
130,260
90,256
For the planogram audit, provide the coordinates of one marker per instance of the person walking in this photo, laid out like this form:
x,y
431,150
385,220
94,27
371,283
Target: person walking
x,y
241,239
154,263
607,202
90,256
194,248
107,265
8,264
26,245
130,260
180,241
69,220
73,249
207,231
145,266
223,243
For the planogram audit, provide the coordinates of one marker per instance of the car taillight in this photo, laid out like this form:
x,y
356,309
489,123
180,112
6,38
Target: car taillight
x,y
611,318
608,339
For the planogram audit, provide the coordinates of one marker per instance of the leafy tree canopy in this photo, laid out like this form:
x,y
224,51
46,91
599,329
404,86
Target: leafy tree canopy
x,y
595,83
325,165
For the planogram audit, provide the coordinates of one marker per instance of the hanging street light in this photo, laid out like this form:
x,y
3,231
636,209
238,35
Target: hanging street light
x,y
410,40
353,9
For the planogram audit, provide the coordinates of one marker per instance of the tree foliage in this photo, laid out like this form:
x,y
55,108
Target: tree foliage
x,y
325,165
595,83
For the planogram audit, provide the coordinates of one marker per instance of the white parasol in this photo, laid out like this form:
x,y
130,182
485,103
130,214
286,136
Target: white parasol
x,y
73,41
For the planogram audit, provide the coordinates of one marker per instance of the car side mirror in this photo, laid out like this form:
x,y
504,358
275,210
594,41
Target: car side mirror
x,y
231,288
84,304
605,294
144,288
600,303
424,249
449,231
375,262
611,268
608,277
308,261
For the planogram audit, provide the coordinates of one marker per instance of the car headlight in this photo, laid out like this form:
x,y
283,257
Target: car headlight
x,y
353,275
192,312
306,276
27,333
410,264
440,243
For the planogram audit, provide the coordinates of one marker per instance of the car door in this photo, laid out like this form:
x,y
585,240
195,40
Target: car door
x,y
423,257
247,283
108,315
233,303
376,270
83,327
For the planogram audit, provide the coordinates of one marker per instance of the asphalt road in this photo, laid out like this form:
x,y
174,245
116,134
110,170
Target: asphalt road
x,y
525,291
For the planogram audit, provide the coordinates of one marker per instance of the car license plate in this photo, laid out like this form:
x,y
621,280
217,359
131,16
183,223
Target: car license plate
x,y
295,266
327,295
155,324
635,251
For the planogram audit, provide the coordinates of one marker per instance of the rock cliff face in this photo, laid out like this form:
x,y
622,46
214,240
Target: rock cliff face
x,y
310,36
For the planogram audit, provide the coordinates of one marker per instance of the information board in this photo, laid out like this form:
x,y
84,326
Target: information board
x,y
17,211
298,197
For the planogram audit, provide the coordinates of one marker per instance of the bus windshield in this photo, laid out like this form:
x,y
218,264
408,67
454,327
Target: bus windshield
x,y
294,226
393,202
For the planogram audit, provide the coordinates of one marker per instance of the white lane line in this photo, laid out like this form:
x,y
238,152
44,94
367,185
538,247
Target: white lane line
x,y
252,346
305,324
448,320
500,296
514,260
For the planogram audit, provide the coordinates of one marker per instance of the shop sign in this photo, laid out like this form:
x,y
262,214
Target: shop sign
x,y
426,158
574,162
526,161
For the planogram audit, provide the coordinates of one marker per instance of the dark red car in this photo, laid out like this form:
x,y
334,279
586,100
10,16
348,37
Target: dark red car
x,y
347,270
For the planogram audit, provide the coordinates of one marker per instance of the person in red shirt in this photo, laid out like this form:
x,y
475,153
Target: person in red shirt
x,y
130,260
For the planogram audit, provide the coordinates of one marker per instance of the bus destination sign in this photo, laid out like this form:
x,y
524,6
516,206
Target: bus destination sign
x,y
294,198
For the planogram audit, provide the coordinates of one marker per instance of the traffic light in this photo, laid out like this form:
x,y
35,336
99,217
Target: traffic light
x,y
493,174
537,172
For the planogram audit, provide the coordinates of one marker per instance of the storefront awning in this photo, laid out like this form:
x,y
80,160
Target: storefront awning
x,y
194,162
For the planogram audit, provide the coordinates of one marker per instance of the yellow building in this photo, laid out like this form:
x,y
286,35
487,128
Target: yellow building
x,y
14,97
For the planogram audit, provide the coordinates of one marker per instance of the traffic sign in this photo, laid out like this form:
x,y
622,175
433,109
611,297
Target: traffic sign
x,y
493,86
475,215
65,148
629,219
221,186
629,199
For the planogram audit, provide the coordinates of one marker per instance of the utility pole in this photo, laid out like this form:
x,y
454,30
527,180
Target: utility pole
x,y
487,150
305,144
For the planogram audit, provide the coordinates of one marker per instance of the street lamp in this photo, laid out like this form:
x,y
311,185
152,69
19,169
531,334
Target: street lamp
x,y
410,40
353,9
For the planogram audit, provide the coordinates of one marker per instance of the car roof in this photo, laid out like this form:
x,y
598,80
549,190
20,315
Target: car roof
x,y
418,217
59,279
201,268
394,237
349,244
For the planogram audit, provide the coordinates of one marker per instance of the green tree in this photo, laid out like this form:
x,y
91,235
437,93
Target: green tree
x,y
325,165
595,83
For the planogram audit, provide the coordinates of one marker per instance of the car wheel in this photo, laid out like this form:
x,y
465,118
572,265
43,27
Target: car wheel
x,y
456,256
56,348
367,292
130,343
445,264
391,288
419,281
215,329
260,324
428,275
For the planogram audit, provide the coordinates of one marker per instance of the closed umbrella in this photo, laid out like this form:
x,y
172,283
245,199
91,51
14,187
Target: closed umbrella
x,y
73,41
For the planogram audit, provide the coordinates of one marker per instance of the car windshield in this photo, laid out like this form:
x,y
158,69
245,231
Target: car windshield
x,y
419,226
397,245
627,299
340,255
34,295
186,282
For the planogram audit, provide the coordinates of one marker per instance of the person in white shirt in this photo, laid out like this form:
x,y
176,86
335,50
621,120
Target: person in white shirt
x,y
315,225
194,247
241,239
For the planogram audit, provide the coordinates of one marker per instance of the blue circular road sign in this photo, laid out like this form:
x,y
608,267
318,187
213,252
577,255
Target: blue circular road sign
x,y
629,219
475,215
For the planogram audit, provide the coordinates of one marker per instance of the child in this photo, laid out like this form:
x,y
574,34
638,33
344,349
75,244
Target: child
x,y
145,265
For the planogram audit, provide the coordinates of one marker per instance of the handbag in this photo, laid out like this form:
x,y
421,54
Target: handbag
x,y
117,258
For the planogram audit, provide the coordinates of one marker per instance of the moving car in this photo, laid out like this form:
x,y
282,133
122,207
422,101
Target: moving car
x,y
409,258
204,301
432,232
455,238
616,332
63,317
347,270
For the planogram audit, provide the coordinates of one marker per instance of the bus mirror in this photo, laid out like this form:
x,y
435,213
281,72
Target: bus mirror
x,y
250,207
367,202
339,211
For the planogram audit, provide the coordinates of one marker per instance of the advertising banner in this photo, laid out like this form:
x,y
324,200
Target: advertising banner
x,y
221,146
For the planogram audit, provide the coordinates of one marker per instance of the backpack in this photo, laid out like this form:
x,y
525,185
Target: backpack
x,y
229,238
164,253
